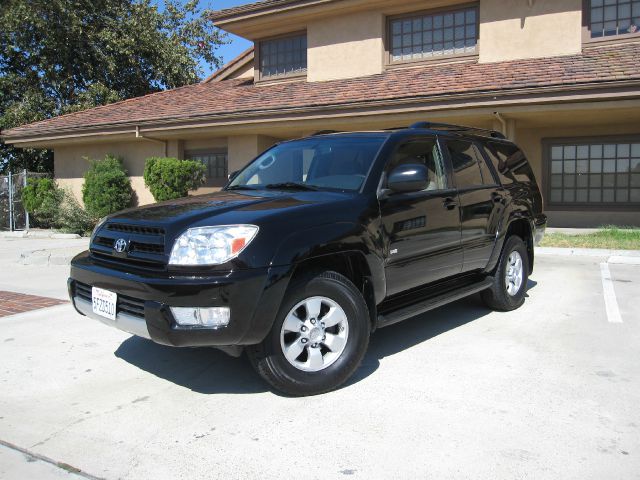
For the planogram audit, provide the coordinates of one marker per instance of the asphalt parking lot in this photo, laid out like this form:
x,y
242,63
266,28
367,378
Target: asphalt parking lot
x,y
546,392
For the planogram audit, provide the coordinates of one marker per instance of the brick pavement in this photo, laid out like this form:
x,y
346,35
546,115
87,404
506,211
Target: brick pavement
x,y
12,303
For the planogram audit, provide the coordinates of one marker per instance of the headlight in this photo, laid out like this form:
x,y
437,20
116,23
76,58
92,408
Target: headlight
x,y
211,245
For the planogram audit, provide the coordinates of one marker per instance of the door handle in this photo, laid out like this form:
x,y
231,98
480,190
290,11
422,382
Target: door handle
x,y
449,203
496,197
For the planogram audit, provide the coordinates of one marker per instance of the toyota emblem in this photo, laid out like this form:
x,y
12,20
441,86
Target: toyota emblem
x,y
120,245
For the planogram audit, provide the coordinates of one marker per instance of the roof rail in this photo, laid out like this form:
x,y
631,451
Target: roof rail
x,y
325,132
459,128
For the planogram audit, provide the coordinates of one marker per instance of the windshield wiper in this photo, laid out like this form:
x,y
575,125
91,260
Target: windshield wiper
x,y
291,186
239,187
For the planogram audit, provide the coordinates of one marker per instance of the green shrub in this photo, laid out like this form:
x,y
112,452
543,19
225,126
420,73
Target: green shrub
x,y
170,178
107,188
72,218
41,198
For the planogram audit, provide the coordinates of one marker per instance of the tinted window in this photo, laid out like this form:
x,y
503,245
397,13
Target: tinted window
x,y
283,56
510,163
590,171
422,152
338,162
466,162
433,35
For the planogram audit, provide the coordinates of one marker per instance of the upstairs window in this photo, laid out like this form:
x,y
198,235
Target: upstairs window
x,y
434,35
613,17
282,57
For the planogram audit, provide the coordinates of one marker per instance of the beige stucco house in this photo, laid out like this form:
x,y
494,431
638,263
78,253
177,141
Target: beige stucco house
x,y
560,77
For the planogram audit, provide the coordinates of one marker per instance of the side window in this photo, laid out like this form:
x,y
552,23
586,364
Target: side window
x,y
468,165
487,175
424,152
510,163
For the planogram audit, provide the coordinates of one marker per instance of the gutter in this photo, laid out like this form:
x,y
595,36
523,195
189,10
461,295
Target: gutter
x,y
502,121
154,140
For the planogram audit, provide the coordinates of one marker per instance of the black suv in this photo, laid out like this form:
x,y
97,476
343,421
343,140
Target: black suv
x,y
317,243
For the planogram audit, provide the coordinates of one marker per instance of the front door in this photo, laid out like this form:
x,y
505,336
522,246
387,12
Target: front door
x,y
421,229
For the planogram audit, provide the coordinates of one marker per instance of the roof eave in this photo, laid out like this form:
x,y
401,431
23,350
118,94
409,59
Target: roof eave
x,y
623,89
259,9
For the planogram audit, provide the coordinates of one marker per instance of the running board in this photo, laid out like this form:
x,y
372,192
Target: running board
x,y
404,313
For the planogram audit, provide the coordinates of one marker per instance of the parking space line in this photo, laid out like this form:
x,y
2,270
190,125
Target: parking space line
x,y
610,301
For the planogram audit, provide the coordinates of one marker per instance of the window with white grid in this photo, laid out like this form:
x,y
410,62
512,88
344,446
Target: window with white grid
x,y
614,17
594,172
432,35
283,56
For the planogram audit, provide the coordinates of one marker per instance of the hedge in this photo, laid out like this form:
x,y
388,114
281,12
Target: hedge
x,y
170,178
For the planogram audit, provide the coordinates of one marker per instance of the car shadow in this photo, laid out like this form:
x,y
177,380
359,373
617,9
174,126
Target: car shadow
x,y
393,339
203,370
210,371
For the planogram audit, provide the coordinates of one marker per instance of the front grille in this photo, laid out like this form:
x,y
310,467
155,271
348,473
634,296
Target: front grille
x,y
125,304
137,229
83,291
145,246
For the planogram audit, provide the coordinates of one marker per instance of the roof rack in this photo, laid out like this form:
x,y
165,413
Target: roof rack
x,y
325,132
459,128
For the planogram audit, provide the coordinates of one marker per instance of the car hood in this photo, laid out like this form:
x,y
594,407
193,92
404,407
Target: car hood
x,y
224,208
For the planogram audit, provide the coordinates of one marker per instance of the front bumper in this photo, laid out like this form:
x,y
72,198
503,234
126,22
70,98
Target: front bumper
x,y
253,295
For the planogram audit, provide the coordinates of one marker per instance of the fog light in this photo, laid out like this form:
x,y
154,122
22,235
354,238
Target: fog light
x,y
214,317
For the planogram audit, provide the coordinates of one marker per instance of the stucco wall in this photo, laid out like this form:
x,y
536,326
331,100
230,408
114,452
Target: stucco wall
x,y
70,161
352,44
511,29
245,72
344,47
244,148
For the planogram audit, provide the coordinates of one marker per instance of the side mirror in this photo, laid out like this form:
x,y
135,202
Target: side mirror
x,y
408,178
233,175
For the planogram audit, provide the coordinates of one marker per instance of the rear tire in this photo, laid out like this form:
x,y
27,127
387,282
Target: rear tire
x,y
510,280
319,338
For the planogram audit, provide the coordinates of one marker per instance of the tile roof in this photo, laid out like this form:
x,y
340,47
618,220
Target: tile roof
x,y
601,66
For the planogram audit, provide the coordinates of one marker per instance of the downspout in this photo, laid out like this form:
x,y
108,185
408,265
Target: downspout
x,y
141,137
503,122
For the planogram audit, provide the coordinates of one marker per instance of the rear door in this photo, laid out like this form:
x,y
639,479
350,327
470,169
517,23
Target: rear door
x,y
422,229
481,201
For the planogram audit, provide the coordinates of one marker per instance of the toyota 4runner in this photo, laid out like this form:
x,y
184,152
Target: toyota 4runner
x,y
317,243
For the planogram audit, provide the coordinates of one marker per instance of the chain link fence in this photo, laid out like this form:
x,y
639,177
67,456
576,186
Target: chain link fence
x,y
12,213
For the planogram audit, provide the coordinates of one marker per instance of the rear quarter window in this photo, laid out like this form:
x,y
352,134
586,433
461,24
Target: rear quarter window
x,y
510,163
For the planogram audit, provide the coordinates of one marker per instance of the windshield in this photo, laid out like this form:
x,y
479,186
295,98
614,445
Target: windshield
x,y
337,162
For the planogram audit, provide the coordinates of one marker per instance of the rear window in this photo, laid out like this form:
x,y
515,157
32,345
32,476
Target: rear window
x,y
510,163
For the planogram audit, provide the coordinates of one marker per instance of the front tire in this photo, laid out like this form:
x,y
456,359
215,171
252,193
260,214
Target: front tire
x,y
510,280
319,338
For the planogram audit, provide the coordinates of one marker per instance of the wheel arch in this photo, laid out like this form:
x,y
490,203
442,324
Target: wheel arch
x,y
518,224
352,265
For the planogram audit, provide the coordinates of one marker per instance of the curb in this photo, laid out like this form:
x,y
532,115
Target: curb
x,y
61,256
621,256
39,234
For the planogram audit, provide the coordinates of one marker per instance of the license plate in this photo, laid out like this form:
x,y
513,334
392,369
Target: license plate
x,y
104,302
